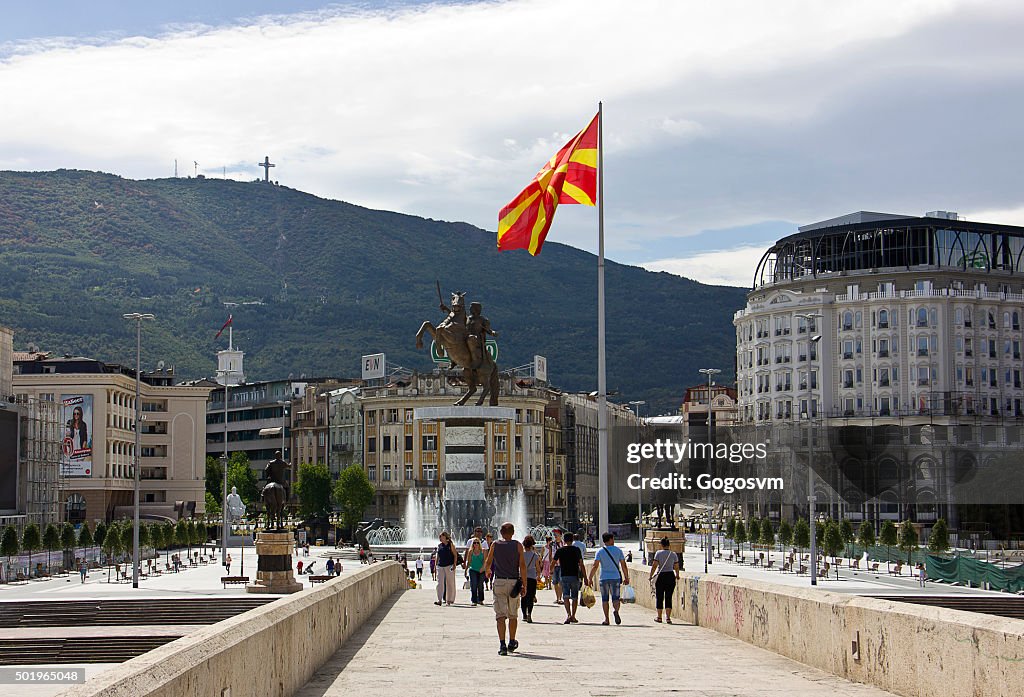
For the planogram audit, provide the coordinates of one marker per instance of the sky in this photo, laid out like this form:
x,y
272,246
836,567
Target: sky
x,y
727,124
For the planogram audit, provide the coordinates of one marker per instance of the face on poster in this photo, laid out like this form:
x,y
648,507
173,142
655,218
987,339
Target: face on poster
x,y
76,446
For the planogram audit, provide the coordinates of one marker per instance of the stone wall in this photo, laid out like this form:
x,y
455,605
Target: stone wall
x,y
907,649
270,651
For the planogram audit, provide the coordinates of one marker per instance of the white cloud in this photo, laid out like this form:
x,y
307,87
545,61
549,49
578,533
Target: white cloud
x,y
727,267
717,114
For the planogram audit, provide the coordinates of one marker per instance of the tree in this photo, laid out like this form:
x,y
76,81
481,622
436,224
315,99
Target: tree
x,y
889,538
740,534
753,532
199,533
353,493
832,540
314,490
938,541
51,542
9,544
785,534
31,541
730,528
802,534
214,480
819,530
168,530
212,507
767,536
242,476
866,536
849,537
100,533
908,538
112,547
85,539
68,538
145,536
181,536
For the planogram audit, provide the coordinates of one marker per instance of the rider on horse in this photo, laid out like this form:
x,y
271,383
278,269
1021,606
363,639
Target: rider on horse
x,y
274,493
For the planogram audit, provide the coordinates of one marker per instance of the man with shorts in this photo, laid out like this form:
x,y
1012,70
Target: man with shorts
x,y
610,558
506,561
570,561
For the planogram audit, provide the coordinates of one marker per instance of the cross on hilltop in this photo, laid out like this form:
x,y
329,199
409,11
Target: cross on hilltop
x,y
266,165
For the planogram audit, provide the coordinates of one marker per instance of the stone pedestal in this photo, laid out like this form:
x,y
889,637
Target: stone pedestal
x,y
274,569
676,541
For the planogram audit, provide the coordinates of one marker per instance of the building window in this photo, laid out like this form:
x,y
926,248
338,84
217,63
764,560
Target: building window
x,y
430,471
371,444
408,471
371,473
922,317
501,444
408,443
883,319
500,470
430,443
386,444
386,472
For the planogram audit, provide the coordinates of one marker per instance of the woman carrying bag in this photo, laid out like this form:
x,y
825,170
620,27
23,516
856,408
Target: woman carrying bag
x,y
665,572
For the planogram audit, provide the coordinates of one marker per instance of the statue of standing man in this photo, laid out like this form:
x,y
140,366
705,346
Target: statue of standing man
x,y
235,505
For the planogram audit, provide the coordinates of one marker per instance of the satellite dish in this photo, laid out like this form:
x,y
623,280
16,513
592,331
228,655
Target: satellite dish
x,y
160,365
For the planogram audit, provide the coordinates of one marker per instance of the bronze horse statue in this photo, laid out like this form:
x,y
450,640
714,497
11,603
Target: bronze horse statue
x,y
274,494
452,335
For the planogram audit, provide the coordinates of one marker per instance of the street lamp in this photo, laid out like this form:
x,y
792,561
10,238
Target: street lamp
x,y
810,319
639,505
710,372
137,317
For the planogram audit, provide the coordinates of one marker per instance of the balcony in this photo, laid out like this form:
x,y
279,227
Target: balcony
x,y
922,352
922,382
426,483
848,355
848,384
883,353
505,483
883,383
341,448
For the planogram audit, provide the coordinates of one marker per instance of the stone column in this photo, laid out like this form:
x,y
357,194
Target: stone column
x,y
274,569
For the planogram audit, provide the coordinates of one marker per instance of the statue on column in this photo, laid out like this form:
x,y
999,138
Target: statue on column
x,y
234,505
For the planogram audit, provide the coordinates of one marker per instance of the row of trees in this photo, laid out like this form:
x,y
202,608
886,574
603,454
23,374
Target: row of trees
x,y
114,539
835,536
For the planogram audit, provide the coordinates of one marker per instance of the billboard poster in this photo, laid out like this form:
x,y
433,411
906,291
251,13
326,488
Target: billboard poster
x,y
76,447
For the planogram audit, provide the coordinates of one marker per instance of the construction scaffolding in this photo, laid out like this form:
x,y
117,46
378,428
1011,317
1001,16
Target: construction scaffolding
x,y
40,484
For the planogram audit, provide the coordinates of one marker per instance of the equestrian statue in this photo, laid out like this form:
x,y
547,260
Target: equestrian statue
x,y
274,493
463,339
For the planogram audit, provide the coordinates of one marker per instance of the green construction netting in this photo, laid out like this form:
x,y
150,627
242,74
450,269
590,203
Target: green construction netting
x,y
976,573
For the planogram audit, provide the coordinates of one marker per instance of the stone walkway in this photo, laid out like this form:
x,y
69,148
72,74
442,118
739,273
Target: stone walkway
x,y
412,647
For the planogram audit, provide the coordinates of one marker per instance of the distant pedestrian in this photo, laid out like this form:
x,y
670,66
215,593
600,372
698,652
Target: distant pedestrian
x,y
474,564
362,555
337,568
300,567
446,557
556,569
614,573
570,563
629,556
419,568
922,575
580,540
227,564
83,569
533,568
507,565
665,572
433,567
330,566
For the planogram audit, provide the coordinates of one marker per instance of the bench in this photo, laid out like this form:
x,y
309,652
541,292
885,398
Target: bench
x,y
234,580
874,566
771,563
855,564
788,566
320,579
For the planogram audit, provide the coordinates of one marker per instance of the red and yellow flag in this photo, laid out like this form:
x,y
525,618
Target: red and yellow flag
x,y
568,177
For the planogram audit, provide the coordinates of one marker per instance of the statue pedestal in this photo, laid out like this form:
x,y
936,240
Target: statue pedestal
x,y
274,569
676,541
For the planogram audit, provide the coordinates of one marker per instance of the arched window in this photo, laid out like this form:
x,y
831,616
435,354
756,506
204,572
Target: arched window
x,y
922,317
959,316
967,316
857,320
1016,320
1006,320
847,320
883,319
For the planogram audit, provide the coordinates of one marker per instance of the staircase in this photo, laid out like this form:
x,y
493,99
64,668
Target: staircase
x,y
96,613
104,649
989,605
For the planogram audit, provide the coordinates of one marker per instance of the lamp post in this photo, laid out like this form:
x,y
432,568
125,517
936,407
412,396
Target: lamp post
x,y
137,317
810,318
639,505
224,466
710,372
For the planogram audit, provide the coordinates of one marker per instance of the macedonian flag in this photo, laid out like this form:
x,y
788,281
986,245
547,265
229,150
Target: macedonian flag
x,y
568,177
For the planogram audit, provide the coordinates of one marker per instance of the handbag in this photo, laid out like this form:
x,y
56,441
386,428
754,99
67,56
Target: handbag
x,y
587,597
517,588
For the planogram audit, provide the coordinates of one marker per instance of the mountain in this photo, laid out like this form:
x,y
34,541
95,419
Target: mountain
x,y
320,283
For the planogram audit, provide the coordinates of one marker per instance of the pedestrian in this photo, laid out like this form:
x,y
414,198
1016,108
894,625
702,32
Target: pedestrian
x,y
665,572
580,540
300,567
433,567
83,569
419,568
475,564
629,556
571,568
337,568
556,571
922,575
446,556
532,571
227,563
330,566
506,563
614,573
488,541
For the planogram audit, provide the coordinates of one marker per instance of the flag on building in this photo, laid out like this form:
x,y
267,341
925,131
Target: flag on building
x,y
568,177
226,324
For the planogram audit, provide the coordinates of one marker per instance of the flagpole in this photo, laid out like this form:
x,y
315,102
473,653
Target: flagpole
x,y
602,386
